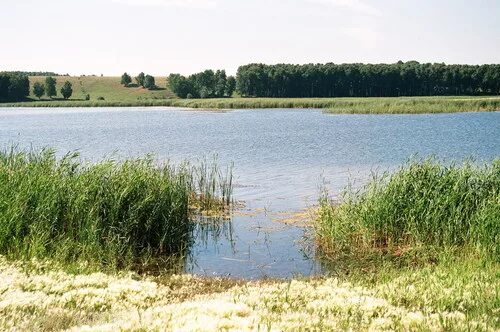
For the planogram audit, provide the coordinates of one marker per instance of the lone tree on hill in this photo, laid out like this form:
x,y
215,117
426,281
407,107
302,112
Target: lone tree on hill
x,y
67,90
149,82
140,79
50,86
126,79
38,89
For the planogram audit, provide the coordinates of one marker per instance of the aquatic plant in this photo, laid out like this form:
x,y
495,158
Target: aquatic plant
x,y
112,213
424,206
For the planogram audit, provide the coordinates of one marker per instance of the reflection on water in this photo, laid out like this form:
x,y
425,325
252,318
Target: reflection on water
x,y
281,158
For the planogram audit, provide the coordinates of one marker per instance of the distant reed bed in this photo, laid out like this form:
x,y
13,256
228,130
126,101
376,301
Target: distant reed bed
x,y
109,214
372,105
424,205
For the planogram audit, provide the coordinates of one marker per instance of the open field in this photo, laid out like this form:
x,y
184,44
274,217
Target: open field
x,y
107,87
116,95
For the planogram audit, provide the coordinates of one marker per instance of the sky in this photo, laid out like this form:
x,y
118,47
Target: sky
x,y
160,37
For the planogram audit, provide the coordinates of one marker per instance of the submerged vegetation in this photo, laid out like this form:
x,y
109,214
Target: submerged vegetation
x,y
420,210
110,214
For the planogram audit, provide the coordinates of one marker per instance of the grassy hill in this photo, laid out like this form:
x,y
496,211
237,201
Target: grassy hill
x,y
107,87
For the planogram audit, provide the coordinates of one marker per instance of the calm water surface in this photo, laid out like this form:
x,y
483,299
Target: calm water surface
x,y
281,158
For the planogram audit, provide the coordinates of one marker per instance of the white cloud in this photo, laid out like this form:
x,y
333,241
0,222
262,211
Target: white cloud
x,y
354,5
197,4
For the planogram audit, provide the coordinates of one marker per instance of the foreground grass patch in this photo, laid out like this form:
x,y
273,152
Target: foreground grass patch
x,y
426,300
110,214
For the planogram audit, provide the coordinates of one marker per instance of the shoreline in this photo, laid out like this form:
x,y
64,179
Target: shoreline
x,y
345,105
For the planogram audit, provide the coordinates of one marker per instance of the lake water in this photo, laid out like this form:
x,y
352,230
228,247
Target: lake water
x,y
281,159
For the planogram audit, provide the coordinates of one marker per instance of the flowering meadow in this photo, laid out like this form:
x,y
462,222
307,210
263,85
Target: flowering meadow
x,y
44,298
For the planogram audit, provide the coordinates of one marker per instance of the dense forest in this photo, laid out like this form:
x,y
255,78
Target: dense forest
x,y
367,80
14,86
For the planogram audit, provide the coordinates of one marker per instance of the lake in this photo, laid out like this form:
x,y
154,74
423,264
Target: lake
x,y
282,158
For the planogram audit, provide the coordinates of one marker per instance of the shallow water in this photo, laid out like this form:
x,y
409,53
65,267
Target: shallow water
x,y
281,159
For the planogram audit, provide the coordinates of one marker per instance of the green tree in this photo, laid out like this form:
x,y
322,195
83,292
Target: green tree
x,y
50,86
230,86
149,82
126,79
4,86
180,85
38,89
220,83
19,86
67,90
140,79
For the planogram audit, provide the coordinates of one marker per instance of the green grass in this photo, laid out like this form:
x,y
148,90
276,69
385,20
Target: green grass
x,y
107,87
426,238
116,95
415,212
108,215
353,105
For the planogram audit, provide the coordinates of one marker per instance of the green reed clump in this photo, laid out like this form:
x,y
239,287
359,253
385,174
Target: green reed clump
x,y
425,204
213,186
115,214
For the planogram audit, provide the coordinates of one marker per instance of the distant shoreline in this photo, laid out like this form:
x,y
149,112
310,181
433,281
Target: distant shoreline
x,y
345,105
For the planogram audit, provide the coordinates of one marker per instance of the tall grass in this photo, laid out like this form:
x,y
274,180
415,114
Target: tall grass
x,y
116,214
425,204
214,186
411,105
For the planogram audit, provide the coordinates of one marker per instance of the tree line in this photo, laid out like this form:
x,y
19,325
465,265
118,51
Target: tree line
x,y
207,84
367,80
36,73
14,86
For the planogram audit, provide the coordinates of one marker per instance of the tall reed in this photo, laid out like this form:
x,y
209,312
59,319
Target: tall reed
x,y
111,213
213,186
425,203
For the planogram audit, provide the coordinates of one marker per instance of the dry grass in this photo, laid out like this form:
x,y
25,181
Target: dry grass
x,y
446,298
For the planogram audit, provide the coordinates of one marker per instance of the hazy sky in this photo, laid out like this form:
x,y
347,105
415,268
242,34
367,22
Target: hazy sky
x,y
185,36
